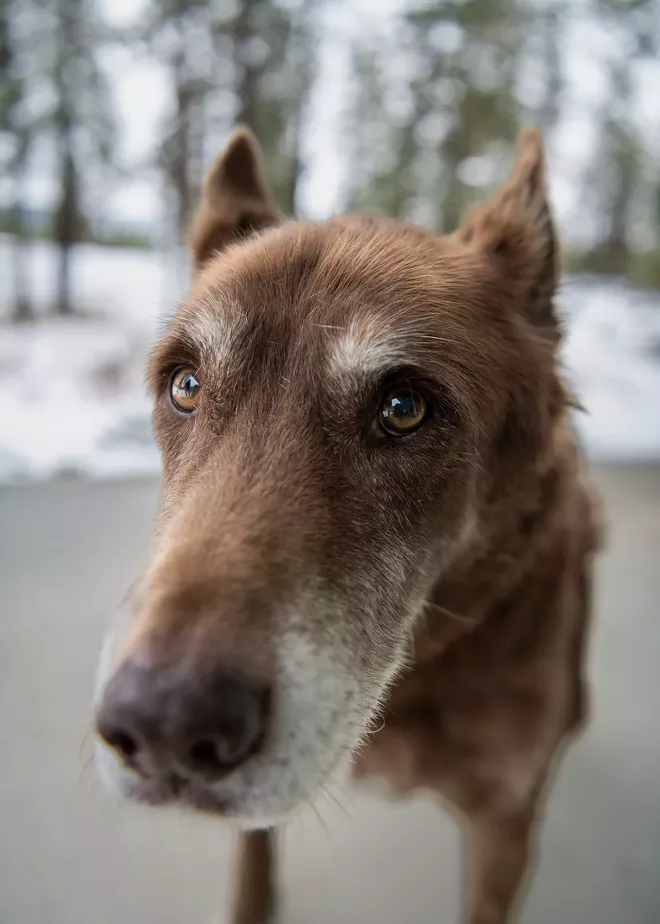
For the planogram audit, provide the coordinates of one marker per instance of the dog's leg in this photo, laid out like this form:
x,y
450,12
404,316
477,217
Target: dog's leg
x,y
254,902
499,848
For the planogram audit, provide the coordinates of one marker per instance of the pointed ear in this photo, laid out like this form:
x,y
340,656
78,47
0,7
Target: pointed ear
x,y
235,199
514,230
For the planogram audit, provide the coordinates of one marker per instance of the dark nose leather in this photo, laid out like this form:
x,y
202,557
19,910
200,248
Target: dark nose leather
x,y
161,722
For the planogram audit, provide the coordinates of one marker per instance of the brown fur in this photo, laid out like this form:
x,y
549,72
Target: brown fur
x,y
282,476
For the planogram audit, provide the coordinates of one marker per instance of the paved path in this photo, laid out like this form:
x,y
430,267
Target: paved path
x,y
69,855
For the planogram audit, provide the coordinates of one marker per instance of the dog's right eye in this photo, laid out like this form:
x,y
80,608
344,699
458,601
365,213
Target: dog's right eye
x,y
185,389
402,410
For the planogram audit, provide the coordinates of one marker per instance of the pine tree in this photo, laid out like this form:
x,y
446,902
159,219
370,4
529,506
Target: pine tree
x,y
445,93
15,129
271,49
619,170
178,31
79,121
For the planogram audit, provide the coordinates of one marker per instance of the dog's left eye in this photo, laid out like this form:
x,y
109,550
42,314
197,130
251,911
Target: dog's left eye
x,y
402,410
184,389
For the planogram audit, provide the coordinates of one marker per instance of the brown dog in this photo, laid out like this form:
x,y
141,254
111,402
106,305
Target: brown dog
x,y
373,506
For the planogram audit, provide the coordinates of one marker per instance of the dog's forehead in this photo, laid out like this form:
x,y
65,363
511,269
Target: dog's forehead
x,y
364,296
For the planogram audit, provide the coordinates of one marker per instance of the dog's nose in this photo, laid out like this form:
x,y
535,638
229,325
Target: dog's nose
x,y
160,723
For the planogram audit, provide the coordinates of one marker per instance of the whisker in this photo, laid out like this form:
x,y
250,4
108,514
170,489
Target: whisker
x,y
320,817
87,737
465,620
329,795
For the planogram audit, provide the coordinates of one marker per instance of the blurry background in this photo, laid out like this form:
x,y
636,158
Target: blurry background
x,y
110,110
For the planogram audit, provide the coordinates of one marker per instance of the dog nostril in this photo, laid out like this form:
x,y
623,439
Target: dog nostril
x,y
121,741
204,755
221,729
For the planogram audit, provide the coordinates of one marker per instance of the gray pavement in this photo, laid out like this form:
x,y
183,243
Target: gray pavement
x,y
69,854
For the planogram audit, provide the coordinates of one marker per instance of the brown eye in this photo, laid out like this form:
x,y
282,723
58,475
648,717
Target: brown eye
x,y
184,390
402,410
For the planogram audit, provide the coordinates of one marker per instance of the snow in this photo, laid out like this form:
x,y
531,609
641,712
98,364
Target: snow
x,y
74,400
73,394
612,360
68,390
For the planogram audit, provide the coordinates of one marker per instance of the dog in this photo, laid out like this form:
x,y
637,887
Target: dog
x,y
376,532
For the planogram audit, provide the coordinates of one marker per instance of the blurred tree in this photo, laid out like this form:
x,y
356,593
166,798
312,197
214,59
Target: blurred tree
x,y
16,136
250,62
551,22
617,170
79,119
438,102
482,111
272,48
179,32
437,95
378,142
453,101
620,185
627,147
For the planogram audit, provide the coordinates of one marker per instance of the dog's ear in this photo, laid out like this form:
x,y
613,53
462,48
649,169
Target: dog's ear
x,y
235,199
514,230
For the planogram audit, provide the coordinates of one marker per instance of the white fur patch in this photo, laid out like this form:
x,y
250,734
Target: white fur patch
x,y
215,328
365,349
112,644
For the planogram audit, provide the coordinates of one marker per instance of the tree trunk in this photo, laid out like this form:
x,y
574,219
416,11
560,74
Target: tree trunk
x,y
180,160
247,81
551,23
196,138
23,310
615,249
66,222
64,281
304,51
22,306
67,215
11,97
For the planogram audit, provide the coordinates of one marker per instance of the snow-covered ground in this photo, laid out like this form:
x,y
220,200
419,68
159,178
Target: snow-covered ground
x,y
72,398
612,360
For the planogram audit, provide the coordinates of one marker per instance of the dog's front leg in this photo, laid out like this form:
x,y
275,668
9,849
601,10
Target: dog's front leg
x,y
254,901
500,844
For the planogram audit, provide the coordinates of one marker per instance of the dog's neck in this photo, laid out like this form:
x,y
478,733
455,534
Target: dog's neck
x,y
518,523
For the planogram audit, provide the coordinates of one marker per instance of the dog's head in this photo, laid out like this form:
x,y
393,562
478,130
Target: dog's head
x,y
337,406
